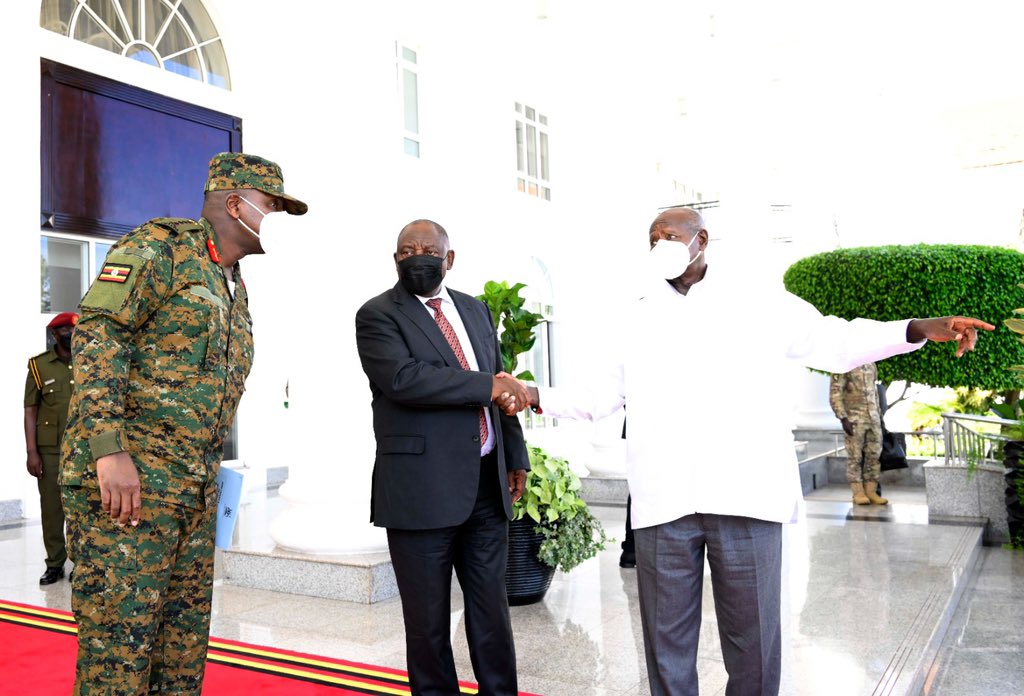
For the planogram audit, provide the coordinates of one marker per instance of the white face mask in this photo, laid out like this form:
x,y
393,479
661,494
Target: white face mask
x,y
669,259
262,234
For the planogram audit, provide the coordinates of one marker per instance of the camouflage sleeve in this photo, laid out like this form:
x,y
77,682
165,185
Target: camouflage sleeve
x,y
32,385
136,278
835,395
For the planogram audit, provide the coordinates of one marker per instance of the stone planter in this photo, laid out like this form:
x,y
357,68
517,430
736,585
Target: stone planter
x,y
953,496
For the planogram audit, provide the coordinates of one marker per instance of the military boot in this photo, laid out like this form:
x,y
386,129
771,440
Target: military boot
x,y
858,494
869,490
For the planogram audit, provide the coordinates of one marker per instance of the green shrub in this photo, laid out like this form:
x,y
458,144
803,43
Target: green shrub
x,y
922,280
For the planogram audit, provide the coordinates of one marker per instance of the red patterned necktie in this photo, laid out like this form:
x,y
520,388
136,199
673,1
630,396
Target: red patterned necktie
x,y
453,341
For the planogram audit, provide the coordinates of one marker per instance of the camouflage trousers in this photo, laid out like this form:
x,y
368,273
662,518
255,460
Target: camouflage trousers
x,y
141,596
863,449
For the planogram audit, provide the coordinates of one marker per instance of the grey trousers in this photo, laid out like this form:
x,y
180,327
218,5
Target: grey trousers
x,y
745,557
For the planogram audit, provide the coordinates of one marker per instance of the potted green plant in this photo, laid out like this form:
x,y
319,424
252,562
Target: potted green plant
x,y
552,526
552,529
1013,451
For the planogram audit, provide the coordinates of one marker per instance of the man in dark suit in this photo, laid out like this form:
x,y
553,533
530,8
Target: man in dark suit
x,y
449,463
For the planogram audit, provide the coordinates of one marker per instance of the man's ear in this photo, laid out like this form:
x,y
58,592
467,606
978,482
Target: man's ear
x,y
233,205
451,258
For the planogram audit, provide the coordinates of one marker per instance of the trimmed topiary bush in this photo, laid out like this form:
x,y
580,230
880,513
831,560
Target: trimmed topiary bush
x,y
925,280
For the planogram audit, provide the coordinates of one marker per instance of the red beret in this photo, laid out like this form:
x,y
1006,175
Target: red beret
x,y
63,319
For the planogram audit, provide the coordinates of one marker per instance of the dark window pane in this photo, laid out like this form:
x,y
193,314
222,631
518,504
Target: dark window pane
x,y
412,147
408,54
530,113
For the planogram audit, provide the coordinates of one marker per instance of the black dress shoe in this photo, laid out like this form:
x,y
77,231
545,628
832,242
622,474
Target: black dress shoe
x,y
51,576
627,559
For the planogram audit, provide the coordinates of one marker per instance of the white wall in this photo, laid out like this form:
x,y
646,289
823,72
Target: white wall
x,y
314,85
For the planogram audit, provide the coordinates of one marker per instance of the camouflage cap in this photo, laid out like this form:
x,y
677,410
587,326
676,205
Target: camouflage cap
x,y
236,170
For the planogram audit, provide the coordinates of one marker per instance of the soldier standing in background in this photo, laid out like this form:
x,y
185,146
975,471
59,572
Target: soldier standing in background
x,y
47,395
161,354
854,399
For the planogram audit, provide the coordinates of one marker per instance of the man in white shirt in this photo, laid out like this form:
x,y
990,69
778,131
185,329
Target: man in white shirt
x,y
687,350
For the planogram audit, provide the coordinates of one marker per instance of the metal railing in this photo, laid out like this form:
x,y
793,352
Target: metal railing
x,y
968,447
934,434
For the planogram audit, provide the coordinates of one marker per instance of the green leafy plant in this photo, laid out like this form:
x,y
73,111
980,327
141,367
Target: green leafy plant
x,y
515,323
551,499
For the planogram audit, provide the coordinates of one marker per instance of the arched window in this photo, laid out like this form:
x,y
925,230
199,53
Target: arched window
x,y
176,35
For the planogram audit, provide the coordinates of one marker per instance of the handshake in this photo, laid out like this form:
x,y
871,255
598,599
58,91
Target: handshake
x,y
512,395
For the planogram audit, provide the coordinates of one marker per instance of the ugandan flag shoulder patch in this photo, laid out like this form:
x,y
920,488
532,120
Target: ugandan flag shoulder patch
x,y
115,273
114,284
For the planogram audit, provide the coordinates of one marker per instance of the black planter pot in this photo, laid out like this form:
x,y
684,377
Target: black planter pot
x,y
1013,451
526,578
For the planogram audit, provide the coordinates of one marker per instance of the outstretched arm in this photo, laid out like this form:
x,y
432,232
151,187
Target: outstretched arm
x,y
963,330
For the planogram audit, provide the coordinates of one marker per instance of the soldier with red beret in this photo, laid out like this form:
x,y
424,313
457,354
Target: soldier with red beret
x,y
47,395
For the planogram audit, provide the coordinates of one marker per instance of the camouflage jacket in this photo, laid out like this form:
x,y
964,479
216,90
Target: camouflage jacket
x,y
854,395
161,353
48,387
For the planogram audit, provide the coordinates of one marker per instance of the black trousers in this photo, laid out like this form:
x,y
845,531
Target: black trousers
x,y
423,560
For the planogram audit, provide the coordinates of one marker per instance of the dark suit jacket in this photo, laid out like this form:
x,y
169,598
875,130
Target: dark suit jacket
x,y
425,412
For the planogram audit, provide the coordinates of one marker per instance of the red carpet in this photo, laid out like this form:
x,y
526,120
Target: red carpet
x,y
37,658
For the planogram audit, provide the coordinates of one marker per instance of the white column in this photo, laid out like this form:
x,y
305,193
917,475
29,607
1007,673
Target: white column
x,y
812,408
303,335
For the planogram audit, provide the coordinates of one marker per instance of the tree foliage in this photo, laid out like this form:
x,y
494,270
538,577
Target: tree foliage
x,y
925,280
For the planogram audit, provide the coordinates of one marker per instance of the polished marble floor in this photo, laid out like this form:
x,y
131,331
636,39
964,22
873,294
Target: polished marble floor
x,y
855,586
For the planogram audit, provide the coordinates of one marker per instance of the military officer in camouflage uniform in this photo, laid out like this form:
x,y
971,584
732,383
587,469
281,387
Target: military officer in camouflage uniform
x,y
47,394
854,399
161,354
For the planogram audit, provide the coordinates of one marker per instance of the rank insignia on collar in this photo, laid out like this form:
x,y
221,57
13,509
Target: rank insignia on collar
x,y
115,272
214,254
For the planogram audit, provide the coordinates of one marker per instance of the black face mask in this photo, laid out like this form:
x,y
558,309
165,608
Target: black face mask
x,y
421,275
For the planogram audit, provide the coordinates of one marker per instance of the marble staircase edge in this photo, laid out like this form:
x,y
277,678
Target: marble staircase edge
x,y
912,661
364,578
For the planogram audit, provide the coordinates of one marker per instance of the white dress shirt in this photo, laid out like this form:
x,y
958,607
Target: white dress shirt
x,y
451,313
708,379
